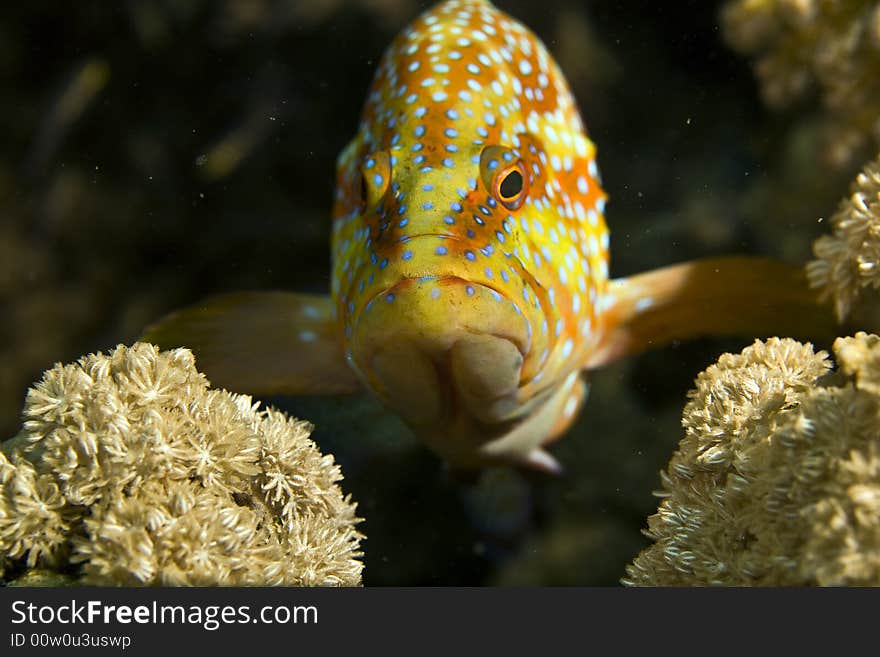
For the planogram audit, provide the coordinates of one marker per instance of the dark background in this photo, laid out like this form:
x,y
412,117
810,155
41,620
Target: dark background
x,y
157,152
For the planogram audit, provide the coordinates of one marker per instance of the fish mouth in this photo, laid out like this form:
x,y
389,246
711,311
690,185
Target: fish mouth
x,y
445,327
438,346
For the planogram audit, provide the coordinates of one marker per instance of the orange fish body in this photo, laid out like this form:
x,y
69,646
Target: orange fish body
x,y
470,283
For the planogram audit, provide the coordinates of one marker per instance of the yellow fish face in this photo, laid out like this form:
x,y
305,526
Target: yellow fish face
x,y
469,243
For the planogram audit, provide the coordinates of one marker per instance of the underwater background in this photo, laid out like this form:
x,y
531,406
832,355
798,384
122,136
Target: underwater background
x,y
157,152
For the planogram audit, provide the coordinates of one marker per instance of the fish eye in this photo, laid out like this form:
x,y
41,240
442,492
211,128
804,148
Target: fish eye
x,y
509,186
362,200
504,176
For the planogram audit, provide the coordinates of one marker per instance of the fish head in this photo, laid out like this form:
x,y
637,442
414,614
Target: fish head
x,y
459,230
435,305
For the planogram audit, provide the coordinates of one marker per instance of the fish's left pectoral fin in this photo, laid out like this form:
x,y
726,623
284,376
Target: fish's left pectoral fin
x,y
262,343
725,296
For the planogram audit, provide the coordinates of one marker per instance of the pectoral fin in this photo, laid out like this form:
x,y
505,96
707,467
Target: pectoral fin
x,y
542,461
569,412
262,343
747,296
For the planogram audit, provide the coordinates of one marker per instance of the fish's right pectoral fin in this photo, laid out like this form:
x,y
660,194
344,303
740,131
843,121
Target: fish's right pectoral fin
x,y
262,343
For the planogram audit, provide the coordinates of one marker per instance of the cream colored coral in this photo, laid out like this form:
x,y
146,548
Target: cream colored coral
x,y
130,468
831,45
849,259
777,480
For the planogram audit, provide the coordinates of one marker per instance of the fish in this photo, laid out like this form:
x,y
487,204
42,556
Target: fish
x,y
470,287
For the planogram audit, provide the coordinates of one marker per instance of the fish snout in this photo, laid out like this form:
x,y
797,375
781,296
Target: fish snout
x,y
436,349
